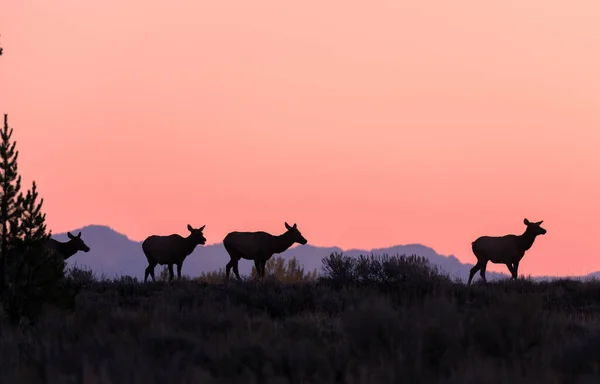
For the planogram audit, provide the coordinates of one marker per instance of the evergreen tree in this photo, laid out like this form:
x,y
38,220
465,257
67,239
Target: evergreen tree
x,y
33,222
30,274
10,209
35,275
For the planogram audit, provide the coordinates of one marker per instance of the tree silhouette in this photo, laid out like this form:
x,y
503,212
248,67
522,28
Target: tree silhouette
x,y
35,276
33,221
30,274
10,186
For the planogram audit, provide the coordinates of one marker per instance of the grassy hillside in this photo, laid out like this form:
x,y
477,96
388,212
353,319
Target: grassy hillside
x,y
388,322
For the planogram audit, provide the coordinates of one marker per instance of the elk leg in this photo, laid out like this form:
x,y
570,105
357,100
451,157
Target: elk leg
x,y
146,273
474,270
257,268
171,274
149,271
235,270
511,270
179,270
262,268
516,269
482,271
228,268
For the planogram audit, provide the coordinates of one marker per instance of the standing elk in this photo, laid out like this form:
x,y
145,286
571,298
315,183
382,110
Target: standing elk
x,y
508,249
169,250
258,246
68,249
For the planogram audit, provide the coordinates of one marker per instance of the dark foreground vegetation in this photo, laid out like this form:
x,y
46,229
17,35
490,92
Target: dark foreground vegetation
x,y
374,320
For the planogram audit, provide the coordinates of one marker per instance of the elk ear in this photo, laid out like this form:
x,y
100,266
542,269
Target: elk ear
x,y
190,228
294,225
70,235
526,222
202,227
79,235
540,222
287,226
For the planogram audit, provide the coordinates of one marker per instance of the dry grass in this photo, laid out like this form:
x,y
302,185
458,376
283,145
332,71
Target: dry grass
x,y
421,331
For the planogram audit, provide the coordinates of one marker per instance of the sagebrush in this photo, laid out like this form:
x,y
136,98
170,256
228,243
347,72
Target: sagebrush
x,y
413,330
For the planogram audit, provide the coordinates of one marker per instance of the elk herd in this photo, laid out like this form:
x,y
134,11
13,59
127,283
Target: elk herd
x,y
261,246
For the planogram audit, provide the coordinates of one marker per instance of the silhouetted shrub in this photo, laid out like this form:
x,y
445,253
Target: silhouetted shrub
x,y
286,270
35,278
339,267
163,276
277,268
80,276
342,269
213,277
126,279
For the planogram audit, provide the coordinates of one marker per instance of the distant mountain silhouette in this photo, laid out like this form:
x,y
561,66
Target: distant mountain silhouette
x,y
113,254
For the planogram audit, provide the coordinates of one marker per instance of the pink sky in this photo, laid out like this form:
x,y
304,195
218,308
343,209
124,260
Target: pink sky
x,y
367,123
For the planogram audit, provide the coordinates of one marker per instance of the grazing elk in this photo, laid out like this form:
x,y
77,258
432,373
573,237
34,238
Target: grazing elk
x,y
169,250
508,249
258,246
68,249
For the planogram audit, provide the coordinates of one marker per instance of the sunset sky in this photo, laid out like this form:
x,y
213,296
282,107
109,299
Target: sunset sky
x,y
367,123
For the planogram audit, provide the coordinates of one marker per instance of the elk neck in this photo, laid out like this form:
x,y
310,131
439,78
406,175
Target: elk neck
x,y
66,249
189,244
282,242
526,239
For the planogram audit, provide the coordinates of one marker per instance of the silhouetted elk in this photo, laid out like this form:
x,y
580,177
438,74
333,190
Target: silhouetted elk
x,y
169,250
508,249
68,249
258,246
